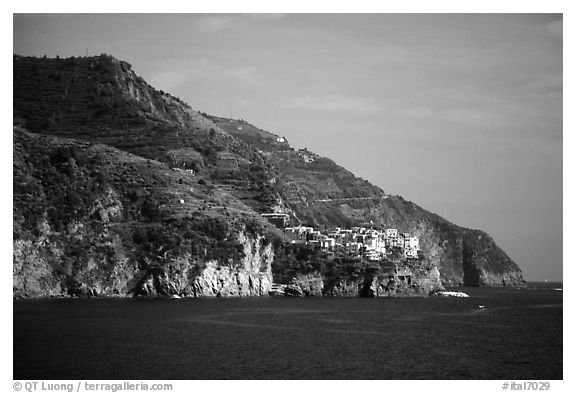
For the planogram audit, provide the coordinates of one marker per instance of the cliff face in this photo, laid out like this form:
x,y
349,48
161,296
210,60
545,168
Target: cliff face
x,y
416,280
36,276
485,264
183,277
173,216
252,278
460,253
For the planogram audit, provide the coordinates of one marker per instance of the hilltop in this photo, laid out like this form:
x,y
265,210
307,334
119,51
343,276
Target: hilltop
x,y
158,152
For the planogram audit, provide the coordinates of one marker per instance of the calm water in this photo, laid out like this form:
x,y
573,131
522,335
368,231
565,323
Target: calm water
x,y
518,335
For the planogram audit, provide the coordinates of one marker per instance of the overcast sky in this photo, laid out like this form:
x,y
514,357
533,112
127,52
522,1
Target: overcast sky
x,y
461,114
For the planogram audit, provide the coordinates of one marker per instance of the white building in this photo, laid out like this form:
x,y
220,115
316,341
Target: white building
x,y
370,243
338,236
381,245
315,243
352,248
411,247
327,243
298,233
410,252
405,240
348,235
372,255
392,238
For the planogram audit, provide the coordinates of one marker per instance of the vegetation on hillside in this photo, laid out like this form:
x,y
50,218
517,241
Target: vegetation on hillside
x,y
85,204
226,171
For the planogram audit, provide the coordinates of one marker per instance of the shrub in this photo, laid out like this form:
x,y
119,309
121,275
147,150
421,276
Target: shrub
x,y
150,208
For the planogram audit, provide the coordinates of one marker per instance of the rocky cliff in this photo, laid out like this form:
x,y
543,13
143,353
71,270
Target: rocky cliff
x,y
93,220
151,196
182,276
368,279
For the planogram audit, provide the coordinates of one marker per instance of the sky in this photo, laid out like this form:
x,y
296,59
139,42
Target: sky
x,y
459,113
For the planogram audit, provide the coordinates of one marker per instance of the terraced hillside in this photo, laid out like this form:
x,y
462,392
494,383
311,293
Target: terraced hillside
x,y
320,193
92,219
101,100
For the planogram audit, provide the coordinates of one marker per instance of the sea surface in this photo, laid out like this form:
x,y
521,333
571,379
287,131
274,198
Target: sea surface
x,y
516,335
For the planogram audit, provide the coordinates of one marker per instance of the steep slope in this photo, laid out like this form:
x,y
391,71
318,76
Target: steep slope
x,y
103,100
91,219
100,99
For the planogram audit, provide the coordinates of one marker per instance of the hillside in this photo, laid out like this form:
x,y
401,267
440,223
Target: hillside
x,y
225,169
322,194
91,219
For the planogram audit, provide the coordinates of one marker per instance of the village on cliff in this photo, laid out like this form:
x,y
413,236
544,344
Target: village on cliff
x,y
371,244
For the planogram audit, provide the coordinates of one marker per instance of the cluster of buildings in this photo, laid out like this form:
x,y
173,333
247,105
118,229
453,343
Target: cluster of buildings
x,y
306,156
372,244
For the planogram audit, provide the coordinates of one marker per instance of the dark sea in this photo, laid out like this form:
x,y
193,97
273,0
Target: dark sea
x,y
516,335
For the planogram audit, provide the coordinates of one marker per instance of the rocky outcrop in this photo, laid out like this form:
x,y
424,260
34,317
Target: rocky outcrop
x,y
35,275
31,272
183,277
344,288
418,281
485,264
310,284
252,278
413,280
53,265
226,282
108,206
